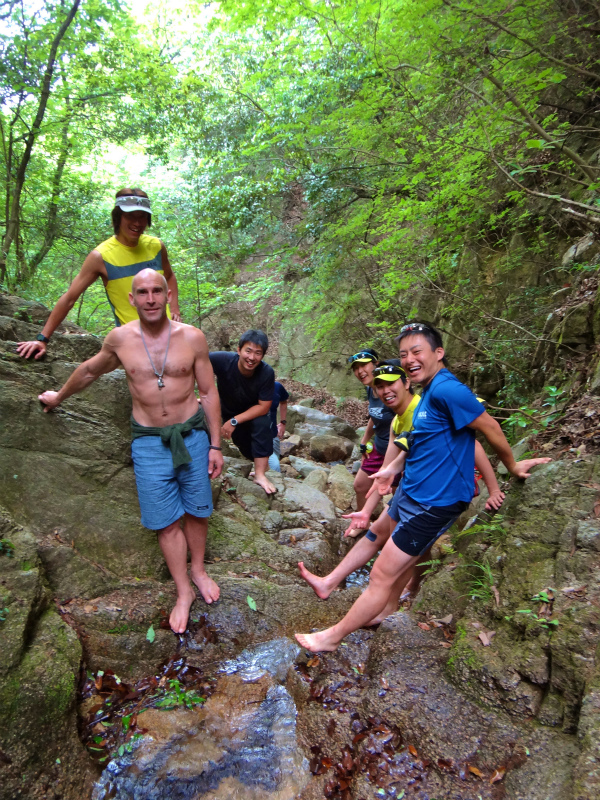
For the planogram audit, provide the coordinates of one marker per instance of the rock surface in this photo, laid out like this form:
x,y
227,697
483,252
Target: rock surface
x,y
88,583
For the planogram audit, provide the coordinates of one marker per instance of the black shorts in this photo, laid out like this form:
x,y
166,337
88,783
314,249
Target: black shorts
x,y
420,525
254,438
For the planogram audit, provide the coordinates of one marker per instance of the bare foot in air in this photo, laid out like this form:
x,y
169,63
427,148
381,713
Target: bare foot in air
x,y
318,585
322,641
266,484
206,586
181,611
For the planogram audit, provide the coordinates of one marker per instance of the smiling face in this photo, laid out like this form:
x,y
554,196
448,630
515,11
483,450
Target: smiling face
x,y
250,357
419,359
133,224
150,295
394,394
364,372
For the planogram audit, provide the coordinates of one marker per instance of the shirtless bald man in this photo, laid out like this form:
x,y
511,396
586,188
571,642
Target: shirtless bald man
x,y
173,460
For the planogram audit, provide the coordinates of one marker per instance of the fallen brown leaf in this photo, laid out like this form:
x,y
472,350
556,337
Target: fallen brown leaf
x,y
313,662
384,682
412,750
424,626
445,620
496,595
292,539
475,771
498,774
484,639
445,644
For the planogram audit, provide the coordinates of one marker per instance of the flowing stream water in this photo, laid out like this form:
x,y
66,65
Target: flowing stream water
x,y
240,745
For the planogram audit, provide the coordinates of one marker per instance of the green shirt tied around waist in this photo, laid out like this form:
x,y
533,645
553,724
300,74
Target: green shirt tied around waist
x,y
172,435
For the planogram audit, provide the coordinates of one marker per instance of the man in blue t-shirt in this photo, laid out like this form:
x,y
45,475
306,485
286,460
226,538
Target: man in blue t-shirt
x,y
438,479
246,385
280,398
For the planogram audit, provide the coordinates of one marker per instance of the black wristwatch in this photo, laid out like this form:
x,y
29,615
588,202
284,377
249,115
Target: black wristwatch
x,y
233,421
41,338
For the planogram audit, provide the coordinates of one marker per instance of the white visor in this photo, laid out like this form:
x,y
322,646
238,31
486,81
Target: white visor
x,y
133,203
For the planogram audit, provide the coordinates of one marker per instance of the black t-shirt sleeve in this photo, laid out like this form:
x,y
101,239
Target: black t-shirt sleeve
x,y
266,387
220,360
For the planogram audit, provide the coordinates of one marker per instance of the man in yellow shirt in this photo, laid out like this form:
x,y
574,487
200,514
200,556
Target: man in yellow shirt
x,y
116,261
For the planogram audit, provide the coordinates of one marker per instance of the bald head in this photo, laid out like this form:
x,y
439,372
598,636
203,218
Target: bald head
x,y
148,277
149,295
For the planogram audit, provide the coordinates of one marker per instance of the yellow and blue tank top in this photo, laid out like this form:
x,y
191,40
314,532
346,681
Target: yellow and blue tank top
x,y
122,264
404,422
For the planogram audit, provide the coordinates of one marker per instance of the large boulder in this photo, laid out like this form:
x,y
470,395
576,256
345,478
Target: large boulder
x,y
39,668
326,447
341,487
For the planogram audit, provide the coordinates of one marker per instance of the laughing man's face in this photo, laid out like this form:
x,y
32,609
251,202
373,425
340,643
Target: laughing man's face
x,y
419,360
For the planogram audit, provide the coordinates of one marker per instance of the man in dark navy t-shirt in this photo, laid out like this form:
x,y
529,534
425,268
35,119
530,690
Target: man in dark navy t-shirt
x,y
246,386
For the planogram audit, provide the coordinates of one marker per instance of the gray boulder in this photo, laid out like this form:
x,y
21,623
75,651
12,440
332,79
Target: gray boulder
x,y
330,448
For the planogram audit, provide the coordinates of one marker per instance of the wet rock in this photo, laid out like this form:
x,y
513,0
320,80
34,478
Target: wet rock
x,y
326,447
341,487
240,744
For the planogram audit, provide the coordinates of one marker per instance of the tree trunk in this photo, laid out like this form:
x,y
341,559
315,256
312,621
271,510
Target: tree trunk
x,y
12,224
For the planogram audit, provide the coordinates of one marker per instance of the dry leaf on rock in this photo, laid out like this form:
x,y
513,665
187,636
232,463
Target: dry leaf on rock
x,y
498,774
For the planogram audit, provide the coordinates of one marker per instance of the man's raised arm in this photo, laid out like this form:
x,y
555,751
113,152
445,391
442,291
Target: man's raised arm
x,y
171,284
211,405
88,273
85,374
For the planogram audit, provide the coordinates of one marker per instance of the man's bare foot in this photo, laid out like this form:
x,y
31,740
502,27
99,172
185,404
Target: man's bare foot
x,y
207,587
318,585
181,611
266,484
322,641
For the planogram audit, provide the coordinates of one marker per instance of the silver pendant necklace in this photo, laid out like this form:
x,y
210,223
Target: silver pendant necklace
x,y
159,375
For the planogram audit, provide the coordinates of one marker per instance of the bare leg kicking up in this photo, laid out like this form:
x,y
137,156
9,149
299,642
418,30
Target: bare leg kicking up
x,y
362,552
391,565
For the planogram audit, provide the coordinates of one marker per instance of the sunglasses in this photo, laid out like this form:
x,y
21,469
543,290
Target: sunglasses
x,y
361,356
414,326
388,369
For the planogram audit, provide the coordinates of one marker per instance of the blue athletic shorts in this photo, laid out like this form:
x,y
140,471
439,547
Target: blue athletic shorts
x,y
420,525
164,492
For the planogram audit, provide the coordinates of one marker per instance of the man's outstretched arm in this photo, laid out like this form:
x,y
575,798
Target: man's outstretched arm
x,y
85,374
90,271
493,433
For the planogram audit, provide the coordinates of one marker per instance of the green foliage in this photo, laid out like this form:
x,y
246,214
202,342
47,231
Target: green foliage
x,y
491,532
3,614
7,548
480,580
177,695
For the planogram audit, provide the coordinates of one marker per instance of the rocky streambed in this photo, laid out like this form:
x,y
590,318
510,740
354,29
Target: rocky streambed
x,y
486,688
